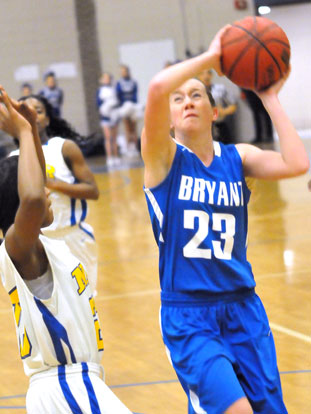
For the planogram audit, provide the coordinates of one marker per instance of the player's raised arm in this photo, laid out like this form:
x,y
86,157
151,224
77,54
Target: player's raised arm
x,y
85,186
22,236
157,147
270,165
31,116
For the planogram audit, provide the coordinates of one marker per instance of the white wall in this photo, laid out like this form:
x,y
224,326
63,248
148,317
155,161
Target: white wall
x,y
124,21
296,94
41,32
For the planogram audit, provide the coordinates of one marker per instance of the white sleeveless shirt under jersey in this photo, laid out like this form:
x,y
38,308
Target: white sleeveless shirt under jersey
x,y
67,211
63,329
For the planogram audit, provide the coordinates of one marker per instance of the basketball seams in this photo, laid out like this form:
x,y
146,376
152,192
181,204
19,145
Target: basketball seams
x,y
261,44
239,57
278,41
236,40
255,53
260,32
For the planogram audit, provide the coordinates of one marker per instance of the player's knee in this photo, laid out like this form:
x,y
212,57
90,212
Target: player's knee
x,y
241,406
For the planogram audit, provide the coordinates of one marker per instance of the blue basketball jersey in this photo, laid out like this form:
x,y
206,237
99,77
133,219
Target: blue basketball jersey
x,y
199,220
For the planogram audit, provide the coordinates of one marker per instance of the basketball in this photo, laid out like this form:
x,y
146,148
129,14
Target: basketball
x,y
255,53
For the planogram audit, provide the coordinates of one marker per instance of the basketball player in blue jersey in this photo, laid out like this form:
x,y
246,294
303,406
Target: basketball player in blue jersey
x,y
213,324
127,90
71,183
57,324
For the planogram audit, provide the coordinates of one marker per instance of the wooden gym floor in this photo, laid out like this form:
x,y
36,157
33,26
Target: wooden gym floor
x,y
135,362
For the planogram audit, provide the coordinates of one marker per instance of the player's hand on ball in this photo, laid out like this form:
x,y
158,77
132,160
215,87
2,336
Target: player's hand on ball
x,y
215,49
275,88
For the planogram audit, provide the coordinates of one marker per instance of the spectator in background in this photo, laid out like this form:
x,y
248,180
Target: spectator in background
x,y
26,89
262,121
130,110
225,103
52,93
107,104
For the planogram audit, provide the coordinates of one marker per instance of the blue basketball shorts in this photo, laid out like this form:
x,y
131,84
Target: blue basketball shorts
x,y
222,350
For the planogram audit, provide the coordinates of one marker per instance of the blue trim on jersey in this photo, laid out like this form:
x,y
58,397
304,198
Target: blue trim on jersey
x,y
86,231
74,407
73,220
57,332
90,390
84,210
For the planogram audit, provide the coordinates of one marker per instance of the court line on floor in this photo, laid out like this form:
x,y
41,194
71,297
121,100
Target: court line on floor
x,y
160,382
282,274
10,397
290,332
137,384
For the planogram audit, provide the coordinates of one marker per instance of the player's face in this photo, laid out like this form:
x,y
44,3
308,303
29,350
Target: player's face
x,y
42,118
50,82
106,79
26,91
124,72
190,108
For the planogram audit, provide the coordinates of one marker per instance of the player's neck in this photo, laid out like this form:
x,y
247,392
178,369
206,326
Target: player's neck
x,y
202,146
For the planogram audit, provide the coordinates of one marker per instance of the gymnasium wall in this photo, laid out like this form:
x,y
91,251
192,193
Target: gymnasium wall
x,y
191,24
296,95
44,32
38,33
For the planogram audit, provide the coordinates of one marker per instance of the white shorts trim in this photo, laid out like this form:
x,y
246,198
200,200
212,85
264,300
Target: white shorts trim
x,y
70,369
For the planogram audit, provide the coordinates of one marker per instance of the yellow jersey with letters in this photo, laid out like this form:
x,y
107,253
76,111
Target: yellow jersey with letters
x,y
63,329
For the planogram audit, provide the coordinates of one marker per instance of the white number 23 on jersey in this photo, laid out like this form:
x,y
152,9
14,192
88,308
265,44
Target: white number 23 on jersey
x,y
192,249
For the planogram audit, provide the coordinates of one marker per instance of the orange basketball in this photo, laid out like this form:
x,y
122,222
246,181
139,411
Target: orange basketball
x,y
255,53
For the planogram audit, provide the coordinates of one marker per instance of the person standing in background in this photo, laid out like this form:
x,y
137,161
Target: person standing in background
x,y
262,120
53,93
226,107
127,91
107,105
26,89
